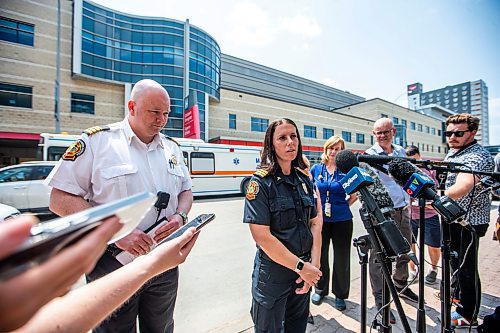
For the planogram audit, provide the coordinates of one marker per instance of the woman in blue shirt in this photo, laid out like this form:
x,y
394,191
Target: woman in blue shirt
x,y
337,225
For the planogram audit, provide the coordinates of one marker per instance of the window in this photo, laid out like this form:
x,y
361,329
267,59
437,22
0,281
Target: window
x,y
395,120
202,163
259,124
419,127
15,95
232,121
412,125
310,131
427,129
383,115
346,136
360,138
433,131
16,31
327,133
439,149
82,103
403,122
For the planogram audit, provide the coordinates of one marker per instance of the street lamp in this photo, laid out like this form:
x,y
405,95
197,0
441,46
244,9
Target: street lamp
x,y
58,65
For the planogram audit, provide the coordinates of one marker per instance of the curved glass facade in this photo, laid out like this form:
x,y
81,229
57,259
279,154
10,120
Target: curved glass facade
x,y
127,48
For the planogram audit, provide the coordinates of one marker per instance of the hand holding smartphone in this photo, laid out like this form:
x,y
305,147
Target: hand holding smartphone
x,y
49,238
199,222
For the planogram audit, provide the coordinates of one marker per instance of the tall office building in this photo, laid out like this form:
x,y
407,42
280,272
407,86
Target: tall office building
x,y
468,97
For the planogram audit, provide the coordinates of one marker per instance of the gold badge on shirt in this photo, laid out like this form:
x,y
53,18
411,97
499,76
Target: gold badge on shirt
x,y
172,161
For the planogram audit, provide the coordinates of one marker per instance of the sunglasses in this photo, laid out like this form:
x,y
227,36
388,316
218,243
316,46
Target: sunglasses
x,y
458,134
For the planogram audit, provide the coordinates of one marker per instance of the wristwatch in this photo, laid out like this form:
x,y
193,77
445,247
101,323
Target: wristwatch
x,y
184,217
299,265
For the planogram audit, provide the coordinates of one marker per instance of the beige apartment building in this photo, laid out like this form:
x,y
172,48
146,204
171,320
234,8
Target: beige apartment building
x,y
100,60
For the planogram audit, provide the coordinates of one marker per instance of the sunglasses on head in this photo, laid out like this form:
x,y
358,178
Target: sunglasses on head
x,y
458,134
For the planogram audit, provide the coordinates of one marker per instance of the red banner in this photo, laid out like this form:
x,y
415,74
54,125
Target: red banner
x,y
192,118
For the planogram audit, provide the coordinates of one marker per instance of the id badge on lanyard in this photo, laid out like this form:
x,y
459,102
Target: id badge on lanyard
x,y
328,205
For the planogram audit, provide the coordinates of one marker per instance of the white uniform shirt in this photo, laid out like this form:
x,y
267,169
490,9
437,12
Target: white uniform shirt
x,y
115,164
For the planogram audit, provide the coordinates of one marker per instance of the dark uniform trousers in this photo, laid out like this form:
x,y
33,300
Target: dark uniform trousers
x,y
340,235
154,303
274,298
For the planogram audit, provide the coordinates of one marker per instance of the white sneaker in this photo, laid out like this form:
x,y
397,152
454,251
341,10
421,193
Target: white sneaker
x,y
412,276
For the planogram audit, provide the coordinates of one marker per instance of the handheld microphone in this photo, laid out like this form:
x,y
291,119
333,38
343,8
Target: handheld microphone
x,y
358,180
417,184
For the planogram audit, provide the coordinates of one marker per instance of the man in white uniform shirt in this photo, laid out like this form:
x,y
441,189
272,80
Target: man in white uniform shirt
x,y
116,161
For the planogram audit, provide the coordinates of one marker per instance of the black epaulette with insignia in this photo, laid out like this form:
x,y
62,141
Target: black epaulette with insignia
x,y
173,140
261,173
96,129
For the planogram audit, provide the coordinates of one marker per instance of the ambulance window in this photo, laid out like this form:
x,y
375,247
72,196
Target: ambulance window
x,y
186,159
202,163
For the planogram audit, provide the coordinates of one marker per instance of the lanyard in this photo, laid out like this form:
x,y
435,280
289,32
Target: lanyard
x,y
324,174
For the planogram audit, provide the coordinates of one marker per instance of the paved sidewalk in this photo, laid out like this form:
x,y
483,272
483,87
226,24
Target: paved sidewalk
x,y
328,319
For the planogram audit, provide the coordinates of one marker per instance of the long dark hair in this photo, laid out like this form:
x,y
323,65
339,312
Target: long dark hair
x,y
268,160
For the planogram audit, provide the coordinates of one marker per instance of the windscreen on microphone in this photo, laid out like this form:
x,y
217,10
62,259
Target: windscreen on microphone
x,y
378,190
346,160
401,171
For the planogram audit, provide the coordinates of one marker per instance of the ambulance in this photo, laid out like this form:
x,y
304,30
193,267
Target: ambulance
x,y
216,169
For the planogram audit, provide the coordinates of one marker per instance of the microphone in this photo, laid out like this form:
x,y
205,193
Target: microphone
x,y
417,184
358,180
378,191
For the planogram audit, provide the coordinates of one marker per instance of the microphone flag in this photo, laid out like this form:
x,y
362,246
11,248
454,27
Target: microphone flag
x,y
416,183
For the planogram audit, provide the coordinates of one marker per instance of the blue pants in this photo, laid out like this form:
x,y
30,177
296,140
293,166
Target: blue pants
x,y
275,305
154,303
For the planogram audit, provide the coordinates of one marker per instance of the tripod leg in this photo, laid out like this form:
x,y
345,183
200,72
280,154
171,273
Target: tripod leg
x,y
364,281
445,279
421,242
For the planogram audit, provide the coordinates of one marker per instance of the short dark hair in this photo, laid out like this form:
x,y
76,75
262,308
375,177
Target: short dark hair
x,y
461,118
412,150
268,160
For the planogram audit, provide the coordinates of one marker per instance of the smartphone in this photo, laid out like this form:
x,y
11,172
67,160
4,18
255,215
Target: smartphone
x,y
199,222
50,237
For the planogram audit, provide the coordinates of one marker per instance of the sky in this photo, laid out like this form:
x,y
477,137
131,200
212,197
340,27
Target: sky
x,y
369,48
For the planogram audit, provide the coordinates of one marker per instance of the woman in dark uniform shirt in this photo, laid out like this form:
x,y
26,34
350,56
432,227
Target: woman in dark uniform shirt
x,y
278,207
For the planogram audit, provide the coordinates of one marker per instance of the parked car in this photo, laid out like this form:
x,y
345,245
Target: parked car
x,y
21,186
7,212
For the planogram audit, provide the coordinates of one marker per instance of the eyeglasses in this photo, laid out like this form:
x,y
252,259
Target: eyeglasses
x,y
379,133
458,134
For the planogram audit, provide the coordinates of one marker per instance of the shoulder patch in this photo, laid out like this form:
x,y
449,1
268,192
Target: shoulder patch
x,y
76,149
96,129
252,190
261,173
173,140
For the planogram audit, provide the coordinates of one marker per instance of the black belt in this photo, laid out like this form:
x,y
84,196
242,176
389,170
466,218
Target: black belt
x,y
400,208
305,257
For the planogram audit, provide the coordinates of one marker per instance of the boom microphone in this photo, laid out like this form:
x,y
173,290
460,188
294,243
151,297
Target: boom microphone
x,y
381,159
417,184
357,179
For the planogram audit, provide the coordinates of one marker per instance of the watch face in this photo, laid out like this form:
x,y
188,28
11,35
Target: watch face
x,y
300,265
